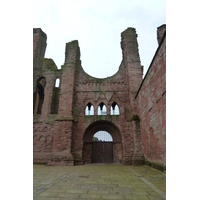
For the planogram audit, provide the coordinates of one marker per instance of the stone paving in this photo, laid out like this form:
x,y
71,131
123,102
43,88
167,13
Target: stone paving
x,y
98,181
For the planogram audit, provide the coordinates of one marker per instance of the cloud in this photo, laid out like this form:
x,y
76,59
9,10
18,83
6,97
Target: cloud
x,y
97,26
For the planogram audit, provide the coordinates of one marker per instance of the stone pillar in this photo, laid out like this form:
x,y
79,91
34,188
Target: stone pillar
x,y
39,47
131,60
48,92
138,157
72,56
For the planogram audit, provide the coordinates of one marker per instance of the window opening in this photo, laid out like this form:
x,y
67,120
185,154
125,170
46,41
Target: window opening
x,y
102,109
102,136
39,95
55,97
89,110
114,109
57,83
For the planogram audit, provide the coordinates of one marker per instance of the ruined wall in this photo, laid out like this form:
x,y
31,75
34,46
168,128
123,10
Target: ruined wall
x,y
52,131
95,91
151,106
109,90
39,47
52,142
59,136
131,60
62,132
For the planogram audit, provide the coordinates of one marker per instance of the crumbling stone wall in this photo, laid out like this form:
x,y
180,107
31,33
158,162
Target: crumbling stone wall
x,y
109,90
39,47
151,105
61,121
62,132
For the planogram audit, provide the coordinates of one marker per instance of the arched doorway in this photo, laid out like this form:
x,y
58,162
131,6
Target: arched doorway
x,y
102,151
102,147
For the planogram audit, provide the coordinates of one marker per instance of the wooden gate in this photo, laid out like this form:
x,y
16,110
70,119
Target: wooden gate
x,y
102,152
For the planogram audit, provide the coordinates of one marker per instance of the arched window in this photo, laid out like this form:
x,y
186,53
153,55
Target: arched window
x,y
57,83
39,95
102,136
102,110
89,110
55,97
114,109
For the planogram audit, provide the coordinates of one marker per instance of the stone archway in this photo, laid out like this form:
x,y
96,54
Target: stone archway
x,y
113,130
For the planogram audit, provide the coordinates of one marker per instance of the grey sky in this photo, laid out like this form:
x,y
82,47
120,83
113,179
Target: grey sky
x,y
103,136
97,25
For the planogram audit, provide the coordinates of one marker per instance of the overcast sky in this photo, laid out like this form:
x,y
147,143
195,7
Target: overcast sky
x,y
97,25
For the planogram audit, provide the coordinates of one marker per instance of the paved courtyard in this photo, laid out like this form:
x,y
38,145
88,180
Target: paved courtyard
x,y
98,181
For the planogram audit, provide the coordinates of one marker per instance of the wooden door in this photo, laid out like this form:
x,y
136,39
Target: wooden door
x,y
102,152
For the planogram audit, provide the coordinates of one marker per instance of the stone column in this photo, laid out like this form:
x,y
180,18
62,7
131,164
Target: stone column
x,y
39,48
131,60
72,56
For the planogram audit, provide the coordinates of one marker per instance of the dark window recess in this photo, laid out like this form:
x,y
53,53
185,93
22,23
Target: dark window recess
x,y
38,96
55,97
55,100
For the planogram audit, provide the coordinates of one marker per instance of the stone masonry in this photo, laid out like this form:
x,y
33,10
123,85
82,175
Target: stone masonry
x,y
62,133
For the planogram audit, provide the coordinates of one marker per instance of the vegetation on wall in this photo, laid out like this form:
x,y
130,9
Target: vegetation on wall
x,y
155,165
48,63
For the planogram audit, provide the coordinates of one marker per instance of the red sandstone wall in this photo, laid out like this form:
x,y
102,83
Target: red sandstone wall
x,y
120,88
90,89
39,47
52,142
55,129
76,90
59,136
151,106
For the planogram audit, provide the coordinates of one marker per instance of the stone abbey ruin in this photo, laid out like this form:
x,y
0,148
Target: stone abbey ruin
x,y
62,132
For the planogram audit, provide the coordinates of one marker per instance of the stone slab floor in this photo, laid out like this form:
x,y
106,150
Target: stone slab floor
x,y
98,181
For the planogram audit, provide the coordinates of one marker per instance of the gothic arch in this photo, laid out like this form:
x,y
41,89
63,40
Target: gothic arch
x,y
102,109
39,95
57,82
114,109
89,109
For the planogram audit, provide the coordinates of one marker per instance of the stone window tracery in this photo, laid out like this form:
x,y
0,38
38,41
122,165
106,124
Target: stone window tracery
x,y
114,110
89,110
102,110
